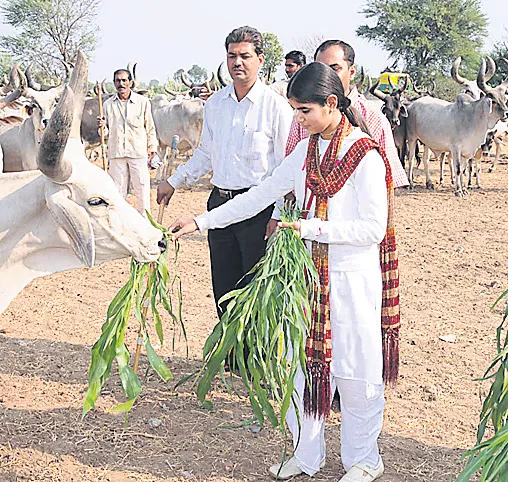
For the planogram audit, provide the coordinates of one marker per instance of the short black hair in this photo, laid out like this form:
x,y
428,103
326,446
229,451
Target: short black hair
x,y
349,53
297,57
246,34
122,70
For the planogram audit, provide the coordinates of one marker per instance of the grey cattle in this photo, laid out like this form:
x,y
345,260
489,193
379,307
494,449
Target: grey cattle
x,y
181,117
459,127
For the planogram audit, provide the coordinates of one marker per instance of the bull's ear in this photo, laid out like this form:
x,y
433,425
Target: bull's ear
x,y
75,222
403,111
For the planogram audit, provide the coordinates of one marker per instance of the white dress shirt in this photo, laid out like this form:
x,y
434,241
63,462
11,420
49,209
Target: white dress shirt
x,y
242,141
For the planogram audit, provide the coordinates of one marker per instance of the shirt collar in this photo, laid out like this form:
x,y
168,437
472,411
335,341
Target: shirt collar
x,y
353,94
132,98
253,95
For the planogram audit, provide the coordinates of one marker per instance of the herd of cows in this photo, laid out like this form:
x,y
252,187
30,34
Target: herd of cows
x,y
58,211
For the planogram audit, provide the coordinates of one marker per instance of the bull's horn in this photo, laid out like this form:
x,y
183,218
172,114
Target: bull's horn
x,y
103,87
404,87
64,123
35,85
433,88
31,83
377,93
454,72
491,70
18,92
185,80
220,77
369,85
175,92
362,79
480,80
6,80
135,76
212,79
50,158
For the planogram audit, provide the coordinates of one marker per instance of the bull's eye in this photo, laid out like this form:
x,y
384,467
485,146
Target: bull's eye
x,y
97,201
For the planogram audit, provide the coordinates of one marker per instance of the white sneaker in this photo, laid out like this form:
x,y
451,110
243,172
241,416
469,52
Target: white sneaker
x,y
289,469
363,473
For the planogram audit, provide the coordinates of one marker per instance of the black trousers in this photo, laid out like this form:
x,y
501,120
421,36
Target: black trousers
x,y
234,250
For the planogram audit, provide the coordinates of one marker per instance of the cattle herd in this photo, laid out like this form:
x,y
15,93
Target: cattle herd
x,y
44,131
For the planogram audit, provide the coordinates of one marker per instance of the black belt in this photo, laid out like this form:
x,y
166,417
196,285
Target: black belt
x,y
230,193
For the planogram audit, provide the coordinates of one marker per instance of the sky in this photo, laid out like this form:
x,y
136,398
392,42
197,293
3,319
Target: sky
x,y
163,36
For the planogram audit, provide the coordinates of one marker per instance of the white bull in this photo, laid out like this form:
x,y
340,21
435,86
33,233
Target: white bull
x,y
69,214
181,117
20,143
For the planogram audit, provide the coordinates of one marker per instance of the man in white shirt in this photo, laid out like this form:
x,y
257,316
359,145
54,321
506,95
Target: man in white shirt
x,y
131,134
245,129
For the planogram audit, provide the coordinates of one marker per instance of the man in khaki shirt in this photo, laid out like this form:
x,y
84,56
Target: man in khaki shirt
x,y
131,134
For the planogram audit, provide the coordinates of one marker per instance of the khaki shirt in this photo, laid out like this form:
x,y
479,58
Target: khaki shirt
x,y
130,127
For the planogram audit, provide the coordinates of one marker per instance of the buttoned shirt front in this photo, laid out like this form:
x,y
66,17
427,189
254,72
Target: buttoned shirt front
x,y
242,141
131,130
379,129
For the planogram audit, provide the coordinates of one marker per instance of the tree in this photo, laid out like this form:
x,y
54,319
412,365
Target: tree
x,y
274,55
177,77
499,52
49,32
197,74
6,64
424,37
309,45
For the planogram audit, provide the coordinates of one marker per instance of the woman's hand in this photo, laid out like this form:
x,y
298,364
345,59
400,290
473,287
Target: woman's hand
x,y
182,226
295,225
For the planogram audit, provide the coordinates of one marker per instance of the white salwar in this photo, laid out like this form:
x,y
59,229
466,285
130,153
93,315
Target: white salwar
x,y
357,218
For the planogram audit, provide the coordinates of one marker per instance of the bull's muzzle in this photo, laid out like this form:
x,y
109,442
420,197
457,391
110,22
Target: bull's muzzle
x,y
163,244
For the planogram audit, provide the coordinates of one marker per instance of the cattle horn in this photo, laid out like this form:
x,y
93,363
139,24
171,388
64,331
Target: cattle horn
x,y
35,85
377,93
220,77
491,69
185,80
135,76
454,72
369,85
175,92
103,87
64,123
480,80
6,80
20,88
362,79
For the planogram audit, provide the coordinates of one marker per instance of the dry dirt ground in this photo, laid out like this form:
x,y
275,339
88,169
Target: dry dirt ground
x,y
453,266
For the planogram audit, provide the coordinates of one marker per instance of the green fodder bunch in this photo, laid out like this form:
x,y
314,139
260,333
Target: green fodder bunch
x,y
264,327
150,286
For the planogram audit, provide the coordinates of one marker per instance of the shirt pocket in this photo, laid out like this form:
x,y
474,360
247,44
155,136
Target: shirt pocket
x,y
255,148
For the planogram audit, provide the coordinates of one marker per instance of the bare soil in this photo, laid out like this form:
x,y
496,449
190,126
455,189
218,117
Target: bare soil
x,y
453,263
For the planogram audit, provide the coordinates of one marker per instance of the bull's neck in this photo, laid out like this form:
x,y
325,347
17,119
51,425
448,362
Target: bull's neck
x,y
32,244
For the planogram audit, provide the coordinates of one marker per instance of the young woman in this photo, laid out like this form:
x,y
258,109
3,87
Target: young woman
x,y
343,183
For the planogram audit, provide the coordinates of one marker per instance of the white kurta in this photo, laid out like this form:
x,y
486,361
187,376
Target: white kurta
x,y
357,218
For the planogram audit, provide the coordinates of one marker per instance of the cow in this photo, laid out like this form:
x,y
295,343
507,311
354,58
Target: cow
x,y
459,127
181,117
195,90
69,213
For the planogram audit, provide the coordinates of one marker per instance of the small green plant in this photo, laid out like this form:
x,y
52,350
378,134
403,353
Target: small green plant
x,y
490,457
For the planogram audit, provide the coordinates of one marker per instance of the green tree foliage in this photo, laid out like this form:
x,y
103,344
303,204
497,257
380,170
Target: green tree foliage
x,y
49,32
499,52
176,77
425,36
274,55
197,74
6,63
